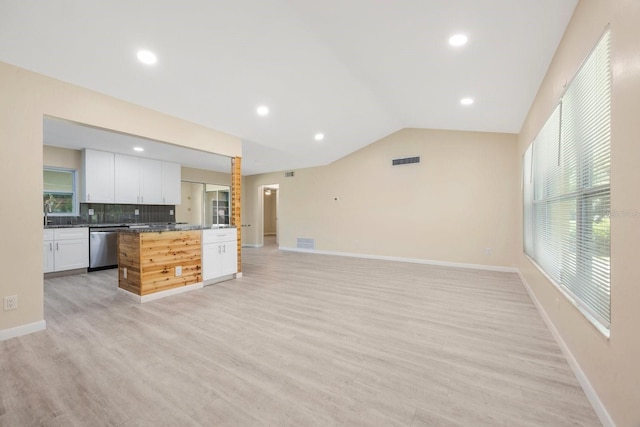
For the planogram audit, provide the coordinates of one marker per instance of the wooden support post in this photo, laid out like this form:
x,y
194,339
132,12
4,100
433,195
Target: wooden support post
x,y
236,190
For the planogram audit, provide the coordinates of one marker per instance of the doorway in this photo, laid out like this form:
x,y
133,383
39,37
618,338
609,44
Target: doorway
x,y
270,227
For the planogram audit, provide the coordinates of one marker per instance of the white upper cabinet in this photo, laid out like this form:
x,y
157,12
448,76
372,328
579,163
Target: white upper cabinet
x,y
150,182
138,180
98,178
119,178
171,180
127,178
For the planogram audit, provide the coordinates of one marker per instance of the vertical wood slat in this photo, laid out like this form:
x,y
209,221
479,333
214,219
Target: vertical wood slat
x,y
129,258
236,189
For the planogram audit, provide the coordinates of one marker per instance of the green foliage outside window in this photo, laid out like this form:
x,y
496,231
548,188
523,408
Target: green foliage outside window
x,y
61,203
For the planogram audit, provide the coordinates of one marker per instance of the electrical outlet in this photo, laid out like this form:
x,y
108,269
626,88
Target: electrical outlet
x,y
136,212
124,272
179,271
10,302
90,212
488,251
170,211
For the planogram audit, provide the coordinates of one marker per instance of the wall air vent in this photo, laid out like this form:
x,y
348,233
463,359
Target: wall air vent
x,y
405,161
305,243
288,174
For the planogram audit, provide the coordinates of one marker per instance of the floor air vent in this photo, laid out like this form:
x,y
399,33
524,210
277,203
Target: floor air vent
x,y
405,161
305,243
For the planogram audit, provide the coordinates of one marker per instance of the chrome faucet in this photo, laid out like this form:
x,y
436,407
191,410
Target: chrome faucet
x,y
47,211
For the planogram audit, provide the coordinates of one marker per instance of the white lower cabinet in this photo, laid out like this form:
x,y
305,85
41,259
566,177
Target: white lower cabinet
x,y
47,251
65,249
219,253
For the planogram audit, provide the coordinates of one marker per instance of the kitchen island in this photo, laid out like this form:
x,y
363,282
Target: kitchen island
x,y
158,261
163,260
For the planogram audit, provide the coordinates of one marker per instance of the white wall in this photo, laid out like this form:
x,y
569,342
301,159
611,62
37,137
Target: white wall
x,y
455,204
26,98
269,219
611,365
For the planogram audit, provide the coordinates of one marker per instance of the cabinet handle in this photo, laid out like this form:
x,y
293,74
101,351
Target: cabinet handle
x,y
88,197
57,247
141,199
224,249
219,249
50,247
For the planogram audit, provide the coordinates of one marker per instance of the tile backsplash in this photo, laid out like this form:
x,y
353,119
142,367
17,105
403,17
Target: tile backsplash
x,y
104,213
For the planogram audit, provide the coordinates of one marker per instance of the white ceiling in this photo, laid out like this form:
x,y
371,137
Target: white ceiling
x,y
66,134
356,70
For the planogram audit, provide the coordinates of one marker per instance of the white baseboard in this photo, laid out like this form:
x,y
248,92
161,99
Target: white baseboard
x,y
220,279
18,331
410,260
588,389
252,245
161,294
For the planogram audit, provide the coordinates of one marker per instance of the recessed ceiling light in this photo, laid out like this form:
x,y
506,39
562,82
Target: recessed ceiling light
x,y
138,149
147,57
466,101
262,110
458,40
318,136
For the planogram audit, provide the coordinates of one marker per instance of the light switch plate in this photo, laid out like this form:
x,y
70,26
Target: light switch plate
x,y
136,212
170,211
90,212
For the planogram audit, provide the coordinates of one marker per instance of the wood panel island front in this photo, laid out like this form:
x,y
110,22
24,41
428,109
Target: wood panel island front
x,y
156,262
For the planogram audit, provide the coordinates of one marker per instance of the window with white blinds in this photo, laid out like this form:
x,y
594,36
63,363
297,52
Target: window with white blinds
x,y
566,190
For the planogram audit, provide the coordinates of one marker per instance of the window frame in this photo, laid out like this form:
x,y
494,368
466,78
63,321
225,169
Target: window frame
x,y
74,182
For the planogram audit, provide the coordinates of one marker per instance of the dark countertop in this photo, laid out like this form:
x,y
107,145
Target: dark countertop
x,y
117,224
67,226
143,227
172,227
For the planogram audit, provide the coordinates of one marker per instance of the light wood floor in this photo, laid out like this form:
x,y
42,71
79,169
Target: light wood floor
x,y
300,340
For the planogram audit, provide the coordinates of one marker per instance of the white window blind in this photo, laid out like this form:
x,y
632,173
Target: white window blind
x,y
527,193
566,199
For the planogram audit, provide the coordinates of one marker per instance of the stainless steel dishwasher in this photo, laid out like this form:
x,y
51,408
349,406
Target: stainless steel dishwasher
x,y
103,247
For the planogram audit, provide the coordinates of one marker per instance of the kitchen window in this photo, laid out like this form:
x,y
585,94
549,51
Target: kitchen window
x,y
59,192
566,191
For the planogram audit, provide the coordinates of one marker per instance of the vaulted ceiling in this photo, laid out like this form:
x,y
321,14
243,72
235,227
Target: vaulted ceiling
x,y
353,70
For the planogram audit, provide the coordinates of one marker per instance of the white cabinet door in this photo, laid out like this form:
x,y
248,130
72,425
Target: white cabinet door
x,y
68,249
229,258
98,177
171,183
47,256
127,180
211,254
219,253
70,254
150,182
